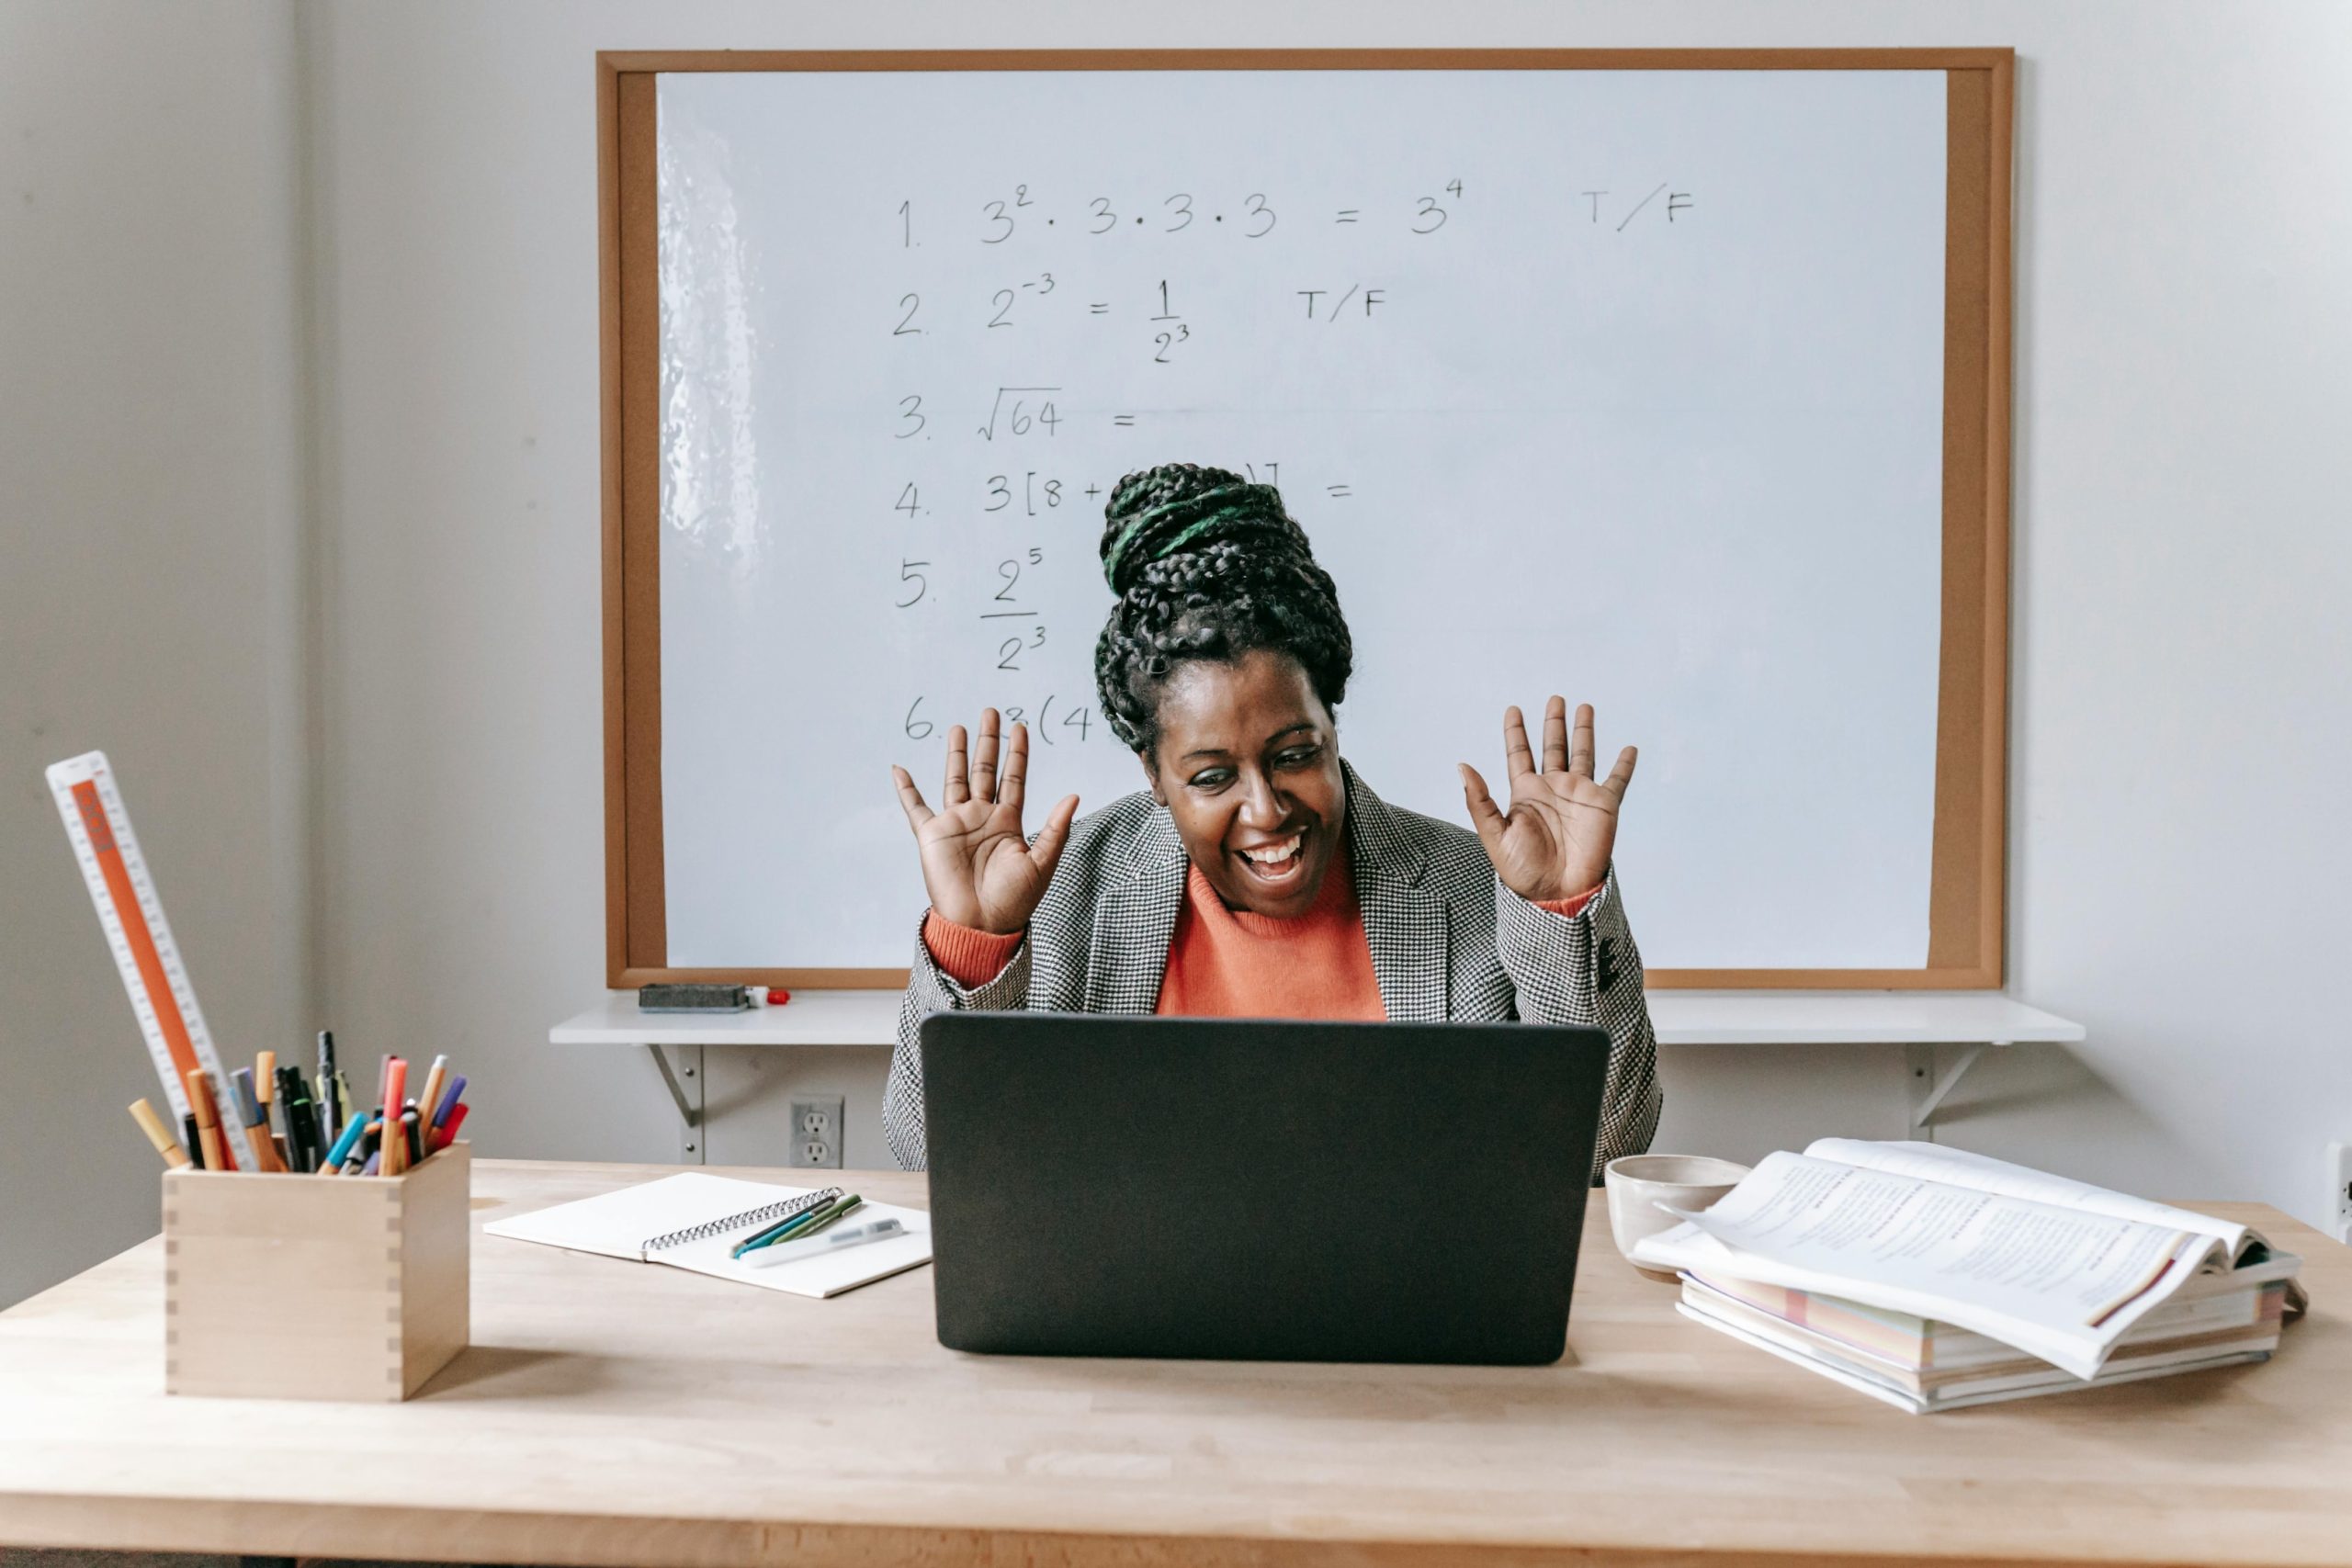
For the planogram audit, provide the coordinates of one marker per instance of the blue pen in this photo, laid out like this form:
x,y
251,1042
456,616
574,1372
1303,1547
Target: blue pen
x,y
450,1099
814,1203
341,1150
803,1225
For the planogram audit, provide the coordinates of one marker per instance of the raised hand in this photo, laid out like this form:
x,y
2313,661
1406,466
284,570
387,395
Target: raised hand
x,y
1555,840
978,866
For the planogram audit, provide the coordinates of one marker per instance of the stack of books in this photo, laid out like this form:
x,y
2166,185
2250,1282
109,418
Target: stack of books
x,y
1933,1279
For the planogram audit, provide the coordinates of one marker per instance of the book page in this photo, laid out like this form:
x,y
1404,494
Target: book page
x,y
1935,1162
2061,1284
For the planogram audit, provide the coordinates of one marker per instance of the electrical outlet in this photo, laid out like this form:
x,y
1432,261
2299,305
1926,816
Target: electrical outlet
x,y
816,1132
2339,1184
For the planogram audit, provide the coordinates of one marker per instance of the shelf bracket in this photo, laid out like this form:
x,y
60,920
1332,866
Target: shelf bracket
x,y
1923,1064
685,1083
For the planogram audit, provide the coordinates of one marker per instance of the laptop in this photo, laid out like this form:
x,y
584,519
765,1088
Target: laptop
x,y
1245,1190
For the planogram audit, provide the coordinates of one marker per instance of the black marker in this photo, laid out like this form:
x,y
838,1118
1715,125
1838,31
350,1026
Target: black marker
x,y
330,1126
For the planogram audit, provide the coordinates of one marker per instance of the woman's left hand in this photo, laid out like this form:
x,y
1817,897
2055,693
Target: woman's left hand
x,y
1555,840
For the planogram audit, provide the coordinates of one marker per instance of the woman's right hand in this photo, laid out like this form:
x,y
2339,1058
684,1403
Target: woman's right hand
x,y
977,865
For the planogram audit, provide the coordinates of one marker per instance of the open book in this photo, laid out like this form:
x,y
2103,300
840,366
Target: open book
x,y
693,1220
2059,1269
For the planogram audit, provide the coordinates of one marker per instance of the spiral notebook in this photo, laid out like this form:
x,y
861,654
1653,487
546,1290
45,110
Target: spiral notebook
x,y
692,1221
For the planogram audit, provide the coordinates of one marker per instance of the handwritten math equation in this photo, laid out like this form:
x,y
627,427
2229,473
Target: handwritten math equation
x,y
1014,480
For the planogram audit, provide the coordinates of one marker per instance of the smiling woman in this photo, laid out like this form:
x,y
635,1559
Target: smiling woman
x,y
1259,876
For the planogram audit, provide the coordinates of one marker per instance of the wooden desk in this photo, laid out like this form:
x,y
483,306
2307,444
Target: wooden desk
x,y
619,1413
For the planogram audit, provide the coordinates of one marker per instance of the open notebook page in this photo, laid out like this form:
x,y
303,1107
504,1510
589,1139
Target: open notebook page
x,y
823,1274
619,1224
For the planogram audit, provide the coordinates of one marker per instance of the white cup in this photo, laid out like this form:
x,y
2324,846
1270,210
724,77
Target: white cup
x,y
1639,1184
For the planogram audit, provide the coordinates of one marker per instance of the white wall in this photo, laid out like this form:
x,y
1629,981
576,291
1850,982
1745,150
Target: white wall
x,y
151,568
2181,654
2184,362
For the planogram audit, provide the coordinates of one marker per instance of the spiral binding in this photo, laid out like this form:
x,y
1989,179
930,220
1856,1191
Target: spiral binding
x,y
765,1214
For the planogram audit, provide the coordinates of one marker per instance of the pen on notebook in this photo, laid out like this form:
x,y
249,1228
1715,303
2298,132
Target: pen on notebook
x,y
825,1245
841,1211
822,1198
794,1225
807,1221
158,1135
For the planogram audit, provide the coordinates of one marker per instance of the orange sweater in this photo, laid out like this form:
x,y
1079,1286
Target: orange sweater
x,y
1229,962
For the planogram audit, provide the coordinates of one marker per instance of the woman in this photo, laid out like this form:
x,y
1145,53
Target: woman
x,y
1259,876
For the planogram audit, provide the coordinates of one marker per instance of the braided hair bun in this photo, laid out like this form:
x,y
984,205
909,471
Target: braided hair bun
x,y
1207,565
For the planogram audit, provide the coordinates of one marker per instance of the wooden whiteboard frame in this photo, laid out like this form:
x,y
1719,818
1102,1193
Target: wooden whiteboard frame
x,y
1966,889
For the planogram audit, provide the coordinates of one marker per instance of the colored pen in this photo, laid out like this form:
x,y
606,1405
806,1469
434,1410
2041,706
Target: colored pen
x,y
792,1224
430,1095
302,1142
363,1154
190,1142
207,1119
412,1141
352,1130
448,1133
158,1135
257,1122
807,1223
393,1146
449,1098
266,1090
817,1202
856,1235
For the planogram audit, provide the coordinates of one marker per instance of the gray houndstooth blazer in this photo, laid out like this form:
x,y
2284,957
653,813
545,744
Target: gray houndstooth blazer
x,y
1448,942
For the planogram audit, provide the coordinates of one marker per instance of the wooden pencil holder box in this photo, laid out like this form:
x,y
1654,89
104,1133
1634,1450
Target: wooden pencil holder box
x,y
316,1287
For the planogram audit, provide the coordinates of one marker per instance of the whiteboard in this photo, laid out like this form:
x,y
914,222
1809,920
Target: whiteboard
x,y
1626,385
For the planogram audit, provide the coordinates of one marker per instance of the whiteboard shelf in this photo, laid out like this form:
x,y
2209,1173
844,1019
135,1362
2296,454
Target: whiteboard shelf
x,y
1920,1020
1681,1018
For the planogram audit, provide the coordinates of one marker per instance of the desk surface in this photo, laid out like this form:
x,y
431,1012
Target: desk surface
x,y
1680,1018
622,1413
